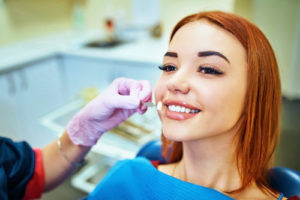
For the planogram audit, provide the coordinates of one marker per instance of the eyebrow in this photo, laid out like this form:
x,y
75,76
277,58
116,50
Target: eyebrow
x,y
200,54
171,54
212,53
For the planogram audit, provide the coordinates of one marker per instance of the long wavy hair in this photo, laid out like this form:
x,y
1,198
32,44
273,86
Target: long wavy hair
x,y
258,131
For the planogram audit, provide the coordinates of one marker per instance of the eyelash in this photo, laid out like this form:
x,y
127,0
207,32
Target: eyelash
x,y
205,70
167,68
210,70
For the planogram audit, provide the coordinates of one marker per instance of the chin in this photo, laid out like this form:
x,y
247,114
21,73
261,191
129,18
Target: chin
x,y
177,134
181,134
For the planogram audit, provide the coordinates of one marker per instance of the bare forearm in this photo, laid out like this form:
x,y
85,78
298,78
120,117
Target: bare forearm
x,y
56,166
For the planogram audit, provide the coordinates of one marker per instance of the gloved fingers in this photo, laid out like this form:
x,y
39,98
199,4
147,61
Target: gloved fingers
x,y
127,96
142,109
125,86
145,95
131,112
131,93
146,91
125,102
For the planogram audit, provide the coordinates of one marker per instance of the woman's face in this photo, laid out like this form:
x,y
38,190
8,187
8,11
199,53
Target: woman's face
x,y
203,83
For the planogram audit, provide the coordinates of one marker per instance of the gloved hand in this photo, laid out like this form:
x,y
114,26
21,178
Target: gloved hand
x,y
114,105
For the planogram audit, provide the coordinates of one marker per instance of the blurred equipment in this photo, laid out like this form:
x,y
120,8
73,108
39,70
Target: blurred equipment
x,y
285,180
152,151
145,22
111,38
88,94
156,31
131,131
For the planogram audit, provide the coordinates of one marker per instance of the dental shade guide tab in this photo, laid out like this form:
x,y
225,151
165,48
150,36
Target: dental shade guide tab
x,y
159,105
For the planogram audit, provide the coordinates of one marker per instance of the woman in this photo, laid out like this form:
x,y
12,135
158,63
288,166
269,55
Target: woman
x,y
223,67
221,98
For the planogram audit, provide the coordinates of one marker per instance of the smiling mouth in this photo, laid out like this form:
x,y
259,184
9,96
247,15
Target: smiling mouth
x,y
182,109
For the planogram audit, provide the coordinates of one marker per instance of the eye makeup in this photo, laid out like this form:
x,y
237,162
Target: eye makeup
x,y
167,68
203,69
209,70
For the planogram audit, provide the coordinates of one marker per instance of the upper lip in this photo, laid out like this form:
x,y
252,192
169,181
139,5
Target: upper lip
x,y
180,103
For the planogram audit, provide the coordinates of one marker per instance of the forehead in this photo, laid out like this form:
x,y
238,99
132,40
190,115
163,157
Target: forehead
x,y
205,36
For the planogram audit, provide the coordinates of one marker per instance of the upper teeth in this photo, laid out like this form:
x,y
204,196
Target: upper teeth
x,y
182,109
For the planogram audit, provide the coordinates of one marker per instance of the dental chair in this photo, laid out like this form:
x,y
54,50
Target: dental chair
x,y
282,179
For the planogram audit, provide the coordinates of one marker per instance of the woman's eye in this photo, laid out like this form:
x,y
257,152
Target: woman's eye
x,y
167,68
209,70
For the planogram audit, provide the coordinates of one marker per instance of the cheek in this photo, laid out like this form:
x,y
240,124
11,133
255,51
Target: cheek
x,y
160,89
224,102
235,95
233,106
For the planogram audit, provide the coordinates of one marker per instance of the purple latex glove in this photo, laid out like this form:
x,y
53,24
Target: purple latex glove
x,y
114,105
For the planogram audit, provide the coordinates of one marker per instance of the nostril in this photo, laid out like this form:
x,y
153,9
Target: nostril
x,y
179,87
182,89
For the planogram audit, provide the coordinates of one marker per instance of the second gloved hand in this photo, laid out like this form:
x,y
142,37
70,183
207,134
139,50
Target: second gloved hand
x,y
114,105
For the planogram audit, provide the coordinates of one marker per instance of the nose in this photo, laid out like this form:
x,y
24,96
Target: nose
x,y
179,83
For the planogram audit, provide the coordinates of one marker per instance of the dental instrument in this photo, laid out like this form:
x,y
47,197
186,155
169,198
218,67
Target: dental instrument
x,y
151,104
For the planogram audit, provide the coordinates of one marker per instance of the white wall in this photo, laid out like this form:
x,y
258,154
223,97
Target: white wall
x,y
26,19
293,91
278,19
172,11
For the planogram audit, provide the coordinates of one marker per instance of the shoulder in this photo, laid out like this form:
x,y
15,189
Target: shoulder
x,y
130,164
140,161
254,192
126,171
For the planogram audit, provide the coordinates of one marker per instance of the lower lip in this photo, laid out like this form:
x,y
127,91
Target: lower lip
x,y
179,115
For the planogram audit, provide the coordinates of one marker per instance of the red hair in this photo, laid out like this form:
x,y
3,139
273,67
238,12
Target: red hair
x,y
258,131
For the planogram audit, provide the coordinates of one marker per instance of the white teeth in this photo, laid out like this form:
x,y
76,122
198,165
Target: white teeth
x,y
181,109
172,108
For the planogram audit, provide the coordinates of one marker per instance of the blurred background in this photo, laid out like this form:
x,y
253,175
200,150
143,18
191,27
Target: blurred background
x,y
57,55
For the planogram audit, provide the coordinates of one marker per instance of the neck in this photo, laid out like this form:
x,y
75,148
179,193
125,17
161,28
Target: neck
x,y
210,162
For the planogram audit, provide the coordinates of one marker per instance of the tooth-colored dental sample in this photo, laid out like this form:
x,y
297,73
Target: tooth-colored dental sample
x,y
159,105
